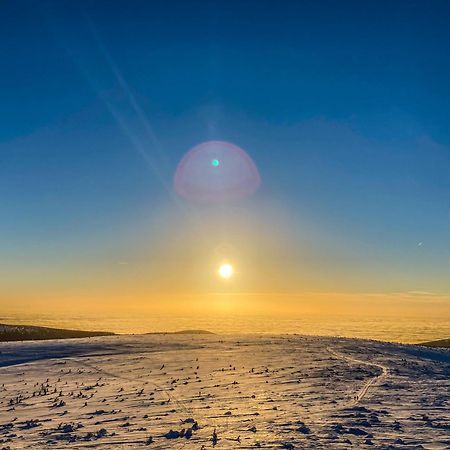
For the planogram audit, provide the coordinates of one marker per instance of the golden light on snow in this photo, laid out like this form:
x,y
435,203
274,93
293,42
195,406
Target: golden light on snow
x,y
226,271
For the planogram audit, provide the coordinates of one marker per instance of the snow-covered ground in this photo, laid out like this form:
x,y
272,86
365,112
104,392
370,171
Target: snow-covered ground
x,y
233,392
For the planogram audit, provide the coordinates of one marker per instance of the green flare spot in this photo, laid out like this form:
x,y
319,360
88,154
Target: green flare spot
x,y
215,162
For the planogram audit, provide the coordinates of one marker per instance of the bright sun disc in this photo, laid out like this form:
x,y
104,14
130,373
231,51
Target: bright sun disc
x,y
226,270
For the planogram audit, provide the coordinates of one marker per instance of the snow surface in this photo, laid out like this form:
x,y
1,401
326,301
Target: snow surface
x,y
230,392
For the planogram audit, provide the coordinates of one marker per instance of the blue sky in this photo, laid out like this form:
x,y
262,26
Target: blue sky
x,y
344,107
284,61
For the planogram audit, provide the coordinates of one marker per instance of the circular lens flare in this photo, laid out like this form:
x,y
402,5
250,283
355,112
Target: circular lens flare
x,y
226,271
216,172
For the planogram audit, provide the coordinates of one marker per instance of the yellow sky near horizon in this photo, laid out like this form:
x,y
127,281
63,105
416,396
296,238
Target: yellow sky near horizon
x,y
407,304
168,263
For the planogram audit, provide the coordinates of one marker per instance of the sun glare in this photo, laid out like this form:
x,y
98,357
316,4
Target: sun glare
x,y
226,271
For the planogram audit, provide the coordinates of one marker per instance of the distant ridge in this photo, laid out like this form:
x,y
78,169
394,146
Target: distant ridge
x,y
182,332
9,333
441,343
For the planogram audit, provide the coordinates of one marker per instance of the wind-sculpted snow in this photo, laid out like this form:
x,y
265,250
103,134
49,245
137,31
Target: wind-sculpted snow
x,y
227,392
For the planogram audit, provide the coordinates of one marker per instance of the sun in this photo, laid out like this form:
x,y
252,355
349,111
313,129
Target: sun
x,y
226,271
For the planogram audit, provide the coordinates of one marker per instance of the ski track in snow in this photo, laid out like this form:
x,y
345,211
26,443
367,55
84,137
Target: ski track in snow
x,y
228,392
357,398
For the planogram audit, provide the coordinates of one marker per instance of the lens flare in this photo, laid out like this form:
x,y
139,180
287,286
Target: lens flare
x,y
215,172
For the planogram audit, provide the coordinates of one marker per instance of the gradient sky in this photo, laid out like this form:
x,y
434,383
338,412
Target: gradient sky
x,y
343,106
